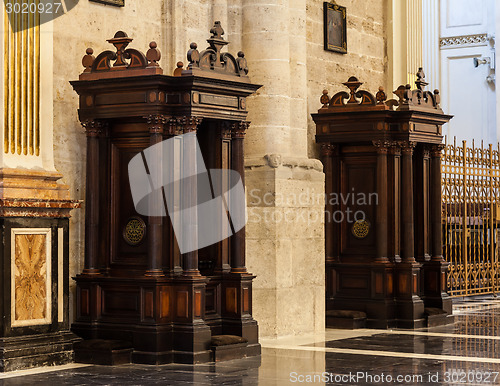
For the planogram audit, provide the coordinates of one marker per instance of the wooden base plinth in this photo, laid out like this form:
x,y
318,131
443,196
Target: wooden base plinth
x,y
434,272
410,313
162,317
236,307
348,320
102,352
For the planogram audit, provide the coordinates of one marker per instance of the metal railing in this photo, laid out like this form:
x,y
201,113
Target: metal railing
x,y
471,218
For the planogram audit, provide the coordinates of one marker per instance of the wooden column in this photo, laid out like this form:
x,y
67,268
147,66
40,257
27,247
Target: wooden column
x,y
436,202
93,129
237,163
224,146
327,150
381,226
395,202
409,306
408,250
156,206
189,192
435,270
172,248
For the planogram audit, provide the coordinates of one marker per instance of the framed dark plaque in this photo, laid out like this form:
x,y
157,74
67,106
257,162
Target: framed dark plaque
x,y
335,30
118,3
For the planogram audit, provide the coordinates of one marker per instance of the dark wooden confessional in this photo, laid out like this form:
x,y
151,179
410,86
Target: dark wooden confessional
x,y
136,286
386,269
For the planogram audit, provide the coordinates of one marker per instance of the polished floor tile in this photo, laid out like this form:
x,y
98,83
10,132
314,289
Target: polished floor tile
x,y
467,352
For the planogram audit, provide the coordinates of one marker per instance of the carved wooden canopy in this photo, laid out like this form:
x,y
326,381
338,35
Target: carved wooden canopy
x,y
125,82
358,114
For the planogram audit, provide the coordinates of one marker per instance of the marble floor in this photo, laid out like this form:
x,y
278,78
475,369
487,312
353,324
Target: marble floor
x,y
465,353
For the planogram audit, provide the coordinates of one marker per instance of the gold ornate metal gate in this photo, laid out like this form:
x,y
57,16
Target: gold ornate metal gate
x,y
471,218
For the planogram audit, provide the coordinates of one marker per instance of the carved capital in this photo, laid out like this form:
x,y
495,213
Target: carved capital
x,y
395,148
382,146
426,151
156,123
225,129
238,129
407,147
172,128
94,128
188,124
437,150
327,149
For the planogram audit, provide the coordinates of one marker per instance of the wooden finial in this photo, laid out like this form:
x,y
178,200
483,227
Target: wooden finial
x,y
217,31
380,96
178,70
242,63
193,55
437,97
88,60
120,41
217,42
420,82
325,99
153,55
353,84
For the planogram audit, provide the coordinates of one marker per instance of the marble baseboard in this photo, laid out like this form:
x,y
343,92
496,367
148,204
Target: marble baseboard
x,y
24,352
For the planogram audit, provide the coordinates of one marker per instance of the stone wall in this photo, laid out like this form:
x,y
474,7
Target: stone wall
x,y
283,43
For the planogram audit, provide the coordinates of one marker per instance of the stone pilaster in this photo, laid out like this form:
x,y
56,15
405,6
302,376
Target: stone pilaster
x,y
34,206
285,189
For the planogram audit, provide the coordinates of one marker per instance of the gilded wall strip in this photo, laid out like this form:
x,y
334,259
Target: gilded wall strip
x,y
21,81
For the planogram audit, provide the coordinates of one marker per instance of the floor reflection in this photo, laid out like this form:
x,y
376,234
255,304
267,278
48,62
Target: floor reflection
x,y
467,352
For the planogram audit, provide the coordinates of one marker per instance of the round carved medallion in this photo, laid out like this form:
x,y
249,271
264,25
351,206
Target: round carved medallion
x,y
360,229
135,231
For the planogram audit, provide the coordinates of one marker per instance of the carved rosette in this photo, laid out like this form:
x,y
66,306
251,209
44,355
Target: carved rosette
x,y
238,129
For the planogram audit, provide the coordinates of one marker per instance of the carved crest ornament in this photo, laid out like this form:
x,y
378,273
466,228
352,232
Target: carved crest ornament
x,y
131,62
407,98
